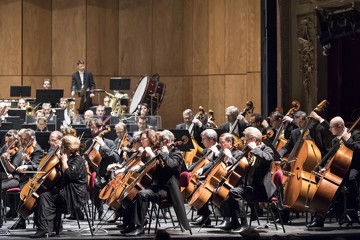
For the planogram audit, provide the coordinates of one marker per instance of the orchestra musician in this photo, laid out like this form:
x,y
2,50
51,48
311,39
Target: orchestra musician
x,y
55,140
71,193
258,121
144,111
3,111
32,153
231,114
88,115
46,83
48,112
188,118
351,180
11,158
121,133
209,139
41,124
226,142
253,185
64,104
21,103
83,85
106,148
166,173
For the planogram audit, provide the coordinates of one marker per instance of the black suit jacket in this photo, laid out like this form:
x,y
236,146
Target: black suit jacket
x,y
241,128
197,132
88,82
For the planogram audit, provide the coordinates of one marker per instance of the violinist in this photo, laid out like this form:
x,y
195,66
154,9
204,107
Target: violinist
x,y
166,175
188,118
106,148
232,114
123,140
351,180
55,140
32,153
71,193
209,139
3,111
11,158
253,185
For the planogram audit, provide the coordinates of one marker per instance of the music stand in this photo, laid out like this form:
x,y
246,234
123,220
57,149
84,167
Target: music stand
x,y
49,96
20,91
118,83
17,112
183,139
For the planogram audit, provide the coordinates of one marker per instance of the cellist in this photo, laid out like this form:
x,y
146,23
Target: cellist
x,y
232,114
106,148
253,186
11,158
165,180
32,155
351,180
71,193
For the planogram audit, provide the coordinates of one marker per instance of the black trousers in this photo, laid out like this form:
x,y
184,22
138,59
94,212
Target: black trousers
x,y
49,206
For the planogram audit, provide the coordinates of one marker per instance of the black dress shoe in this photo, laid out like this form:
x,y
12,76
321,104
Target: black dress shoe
x,y
223,223
122,226
40,234
100,214
11,215
239,229
128,229
317,223
137,232
19,224
202,220
230,225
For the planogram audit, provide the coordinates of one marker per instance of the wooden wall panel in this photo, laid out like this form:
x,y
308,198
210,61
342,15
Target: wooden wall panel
x,y
10,42
254,37
68,35
235,90
62,82
135,37
217,97
216,36
171,108
187,38
236,37
200,92
102,36
201,37
253,88
167,37
37,37
6,82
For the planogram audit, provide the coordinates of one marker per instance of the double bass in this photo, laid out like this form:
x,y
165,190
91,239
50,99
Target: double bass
x,y
337,163
238,143
47,176
300,184
193,155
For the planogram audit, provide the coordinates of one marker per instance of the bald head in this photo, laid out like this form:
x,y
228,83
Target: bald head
x,y
337,126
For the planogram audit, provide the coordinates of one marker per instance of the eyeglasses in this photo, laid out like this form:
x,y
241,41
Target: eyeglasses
x,y
330,127
144,138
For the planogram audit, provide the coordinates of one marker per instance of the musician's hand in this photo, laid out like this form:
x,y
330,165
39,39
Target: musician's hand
x,y
26,157
135,168
125,156
227,153
287,119
72,93
118,171
322,170
265,124
197,122
164,149
64,158
99,140
346,136
353,173
92,95
252,145
141,149
315,116
199,172
277,163
10,176
21,168
215,150
126,149
111,166
150,152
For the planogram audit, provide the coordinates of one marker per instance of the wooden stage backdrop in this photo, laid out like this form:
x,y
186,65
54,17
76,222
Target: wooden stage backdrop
x,y
206,51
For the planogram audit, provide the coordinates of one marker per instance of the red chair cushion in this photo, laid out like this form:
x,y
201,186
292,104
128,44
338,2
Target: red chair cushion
x,y
184,179
92,179
13,190
278,178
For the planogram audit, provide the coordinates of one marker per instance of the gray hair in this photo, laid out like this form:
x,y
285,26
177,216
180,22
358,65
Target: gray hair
x,y
300,114
166,134
188,112
209,134
253,132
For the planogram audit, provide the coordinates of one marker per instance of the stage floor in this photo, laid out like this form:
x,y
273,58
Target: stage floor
x,y
332,230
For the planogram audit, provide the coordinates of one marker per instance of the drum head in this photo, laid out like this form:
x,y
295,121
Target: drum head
x,y
138,94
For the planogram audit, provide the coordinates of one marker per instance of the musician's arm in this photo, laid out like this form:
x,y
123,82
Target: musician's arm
x,y
263,152
36,157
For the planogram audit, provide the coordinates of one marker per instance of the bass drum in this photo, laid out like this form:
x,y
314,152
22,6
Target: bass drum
x,y
150,91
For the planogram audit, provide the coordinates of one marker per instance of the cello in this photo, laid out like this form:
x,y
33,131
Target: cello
x,y
232,178
193,155
300,184
204,191
47,176
337,164
92,155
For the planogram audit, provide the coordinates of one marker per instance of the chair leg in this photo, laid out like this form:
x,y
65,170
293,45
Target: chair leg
x,y
88,220
280,218
150,218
